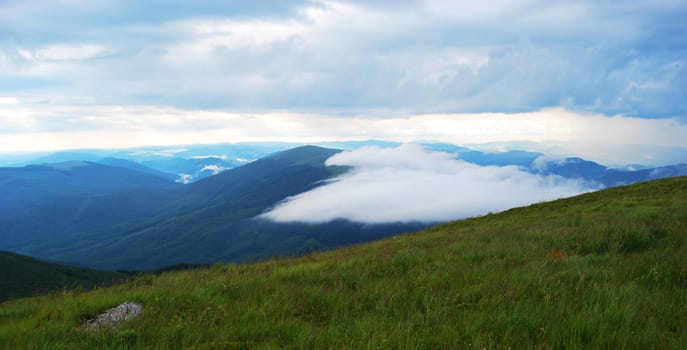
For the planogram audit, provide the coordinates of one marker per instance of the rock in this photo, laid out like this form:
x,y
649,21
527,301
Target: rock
x,y
113,317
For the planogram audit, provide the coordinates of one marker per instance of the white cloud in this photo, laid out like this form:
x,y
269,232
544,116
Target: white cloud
x,y
222,157
204,37
215,169
407,184
62,52
5,100
184,178
167,153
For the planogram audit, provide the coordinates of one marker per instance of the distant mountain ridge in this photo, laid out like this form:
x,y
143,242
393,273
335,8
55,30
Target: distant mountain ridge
x,y
185,163
569,167
190,163
41,203
167,223
607,177
128,164
127,216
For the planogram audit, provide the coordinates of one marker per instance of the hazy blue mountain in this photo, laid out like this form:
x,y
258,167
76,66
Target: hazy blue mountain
x,y
115,217
128,164
447,147
247,151
193,169
595,173
65,156
615,177
45,203
186,163
213,219
74,177
518,158
571,167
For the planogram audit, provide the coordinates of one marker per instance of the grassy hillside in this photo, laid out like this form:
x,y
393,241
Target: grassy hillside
x,y
22,276
602,270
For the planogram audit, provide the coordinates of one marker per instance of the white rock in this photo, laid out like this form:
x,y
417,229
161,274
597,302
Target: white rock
x,y
112,317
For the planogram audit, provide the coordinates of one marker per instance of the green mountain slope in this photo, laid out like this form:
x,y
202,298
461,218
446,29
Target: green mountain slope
x,y
22,276
210,220
602,270
162,224
90,214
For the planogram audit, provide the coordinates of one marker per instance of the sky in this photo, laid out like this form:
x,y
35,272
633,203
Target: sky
x,y
605,80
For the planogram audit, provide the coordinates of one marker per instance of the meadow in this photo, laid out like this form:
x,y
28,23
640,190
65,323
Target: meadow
x,y
606,269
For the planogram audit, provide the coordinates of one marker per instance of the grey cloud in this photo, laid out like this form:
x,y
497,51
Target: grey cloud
x,y
414,56
408,183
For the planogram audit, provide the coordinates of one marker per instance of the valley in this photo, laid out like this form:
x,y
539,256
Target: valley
x,y
122,215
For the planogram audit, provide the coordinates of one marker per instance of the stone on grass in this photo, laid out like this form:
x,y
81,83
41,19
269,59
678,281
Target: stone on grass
x,y
113,317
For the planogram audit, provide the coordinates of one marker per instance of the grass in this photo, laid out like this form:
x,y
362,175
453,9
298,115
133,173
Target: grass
x,y
602,270
22,276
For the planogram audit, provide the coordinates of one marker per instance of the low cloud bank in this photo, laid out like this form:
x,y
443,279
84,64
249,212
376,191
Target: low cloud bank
x,y
215,169
409,183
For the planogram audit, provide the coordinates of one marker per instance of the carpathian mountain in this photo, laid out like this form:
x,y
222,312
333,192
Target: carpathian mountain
x,y
193,169
185,163
570,167
163,223
43,204
592,172
214,219
189,163
121,218
128,164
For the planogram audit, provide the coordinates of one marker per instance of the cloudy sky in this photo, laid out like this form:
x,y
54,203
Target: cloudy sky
x,y
602,79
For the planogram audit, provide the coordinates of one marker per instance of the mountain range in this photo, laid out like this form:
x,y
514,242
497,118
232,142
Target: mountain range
x,y
190,163
114,213
568,167
117,218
